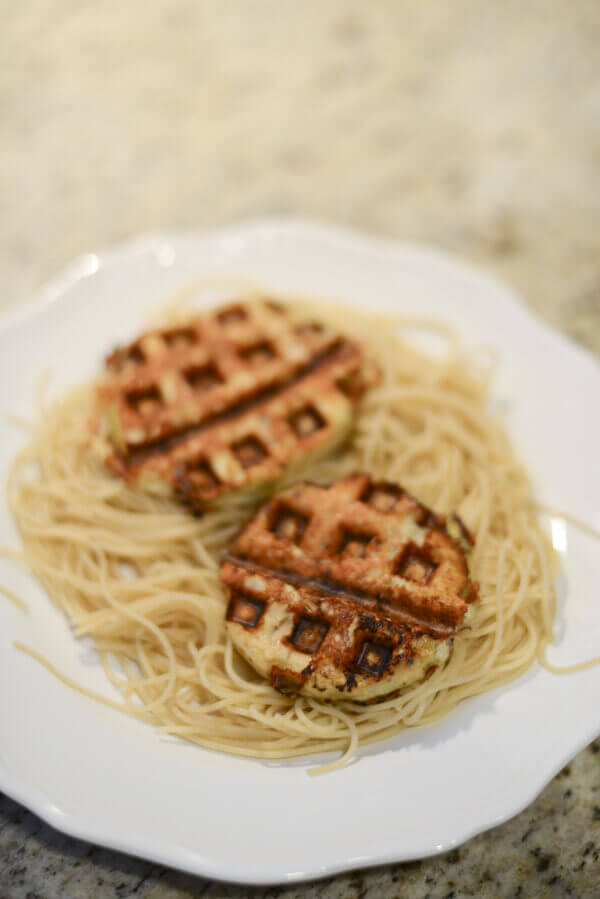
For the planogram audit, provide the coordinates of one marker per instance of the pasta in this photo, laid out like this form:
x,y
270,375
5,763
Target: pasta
x,y
139,574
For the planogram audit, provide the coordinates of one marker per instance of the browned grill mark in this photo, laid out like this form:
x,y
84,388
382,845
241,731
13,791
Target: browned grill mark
x,y
122,355
138,453
401,617
306,421
286,681
353,544
415,564
249,451
258,354
373,658
244,610
289,525
382,498
466,535
202,377
178,338
428,519
351,385
145,400
308,329
233,315
274,306
135,354
199,473
308,634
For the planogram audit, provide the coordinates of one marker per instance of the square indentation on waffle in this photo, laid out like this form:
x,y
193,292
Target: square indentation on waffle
x,y
203,377
306,421
249,451
146,400
245,610
415,564
179,338
232,315
309,329
373,658
259,353
289,524
197,476
135,355
353,544
383,497
308,634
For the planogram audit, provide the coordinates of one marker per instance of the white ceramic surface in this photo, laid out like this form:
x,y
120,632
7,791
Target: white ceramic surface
x,y
100,775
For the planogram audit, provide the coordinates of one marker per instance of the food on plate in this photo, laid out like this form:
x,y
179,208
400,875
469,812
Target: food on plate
x,y
351,590
228,401
134,570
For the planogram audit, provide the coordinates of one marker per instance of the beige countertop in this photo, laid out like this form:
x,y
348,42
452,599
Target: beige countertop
x,y
472,125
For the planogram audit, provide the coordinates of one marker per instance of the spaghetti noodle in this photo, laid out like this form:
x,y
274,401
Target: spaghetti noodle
x,y
139,575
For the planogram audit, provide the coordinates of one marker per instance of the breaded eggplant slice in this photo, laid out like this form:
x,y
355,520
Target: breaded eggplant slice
x,y
350,591
229,401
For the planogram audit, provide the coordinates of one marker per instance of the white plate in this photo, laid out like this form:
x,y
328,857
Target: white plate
x,y
102,776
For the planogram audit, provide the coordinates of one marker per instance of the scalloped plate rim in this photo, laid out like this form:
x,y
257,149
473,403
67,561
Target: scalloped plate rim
x,y
194,862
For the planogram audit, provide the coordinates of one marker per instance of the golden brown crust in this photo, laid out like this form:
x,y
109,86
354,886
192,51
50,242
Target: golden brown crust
x,y
228,400
356,588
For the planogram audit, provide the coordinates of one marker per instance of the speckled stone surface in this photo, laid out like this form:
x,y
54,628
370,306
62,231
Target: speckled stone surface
x,y
472,125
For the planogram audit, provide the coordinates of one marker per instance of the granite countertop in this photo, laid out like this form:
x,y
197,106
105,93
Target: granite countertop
x,y
472,126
